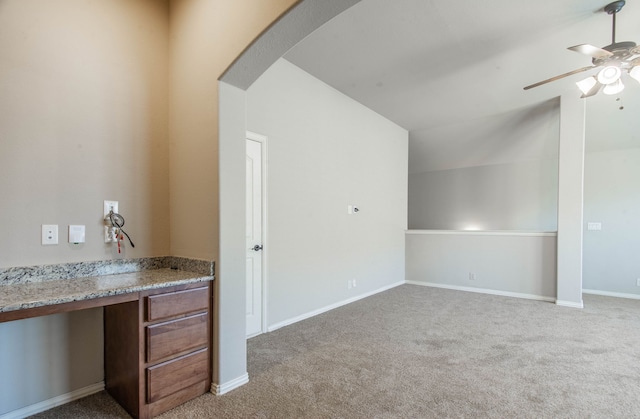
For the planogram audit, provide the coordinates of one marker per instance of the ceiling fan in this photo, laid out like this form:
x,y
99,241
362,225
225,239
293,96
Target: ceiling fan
x,y
615,59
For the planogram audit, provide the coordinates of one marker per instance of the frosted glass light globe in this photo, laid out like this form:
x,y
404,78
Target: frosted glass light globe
x,y
609,74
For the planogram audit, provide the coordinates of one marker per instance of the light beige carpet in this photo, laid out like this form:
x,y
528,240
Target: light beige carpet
x,y
415,352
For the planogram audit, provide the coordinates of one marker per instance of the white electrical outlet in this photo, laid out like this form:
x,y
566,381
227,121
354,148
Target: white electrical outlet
x,y
110,206
353,281
49,234
472,276
349,285
109,230
638,282
109,234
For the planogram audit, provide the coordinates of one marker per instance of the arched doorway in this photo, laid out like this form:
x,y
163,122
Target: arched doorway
x,y
230,360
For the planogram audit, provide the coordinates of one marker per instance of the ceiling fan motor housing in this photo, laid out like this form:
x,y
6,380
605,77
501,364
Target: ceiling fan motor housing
x,y
621,51
614,7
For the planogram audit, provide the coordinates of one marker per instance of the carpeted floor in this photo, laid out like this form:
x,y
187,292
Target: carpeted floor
x,y
416,352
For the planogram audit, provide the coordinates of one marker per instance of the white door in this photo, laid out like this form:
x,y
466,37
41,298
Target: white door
x,y
254,237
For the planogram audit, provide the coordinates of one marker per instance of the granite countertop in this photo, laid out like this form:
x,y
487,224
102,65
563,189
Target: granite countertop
x,y
37,294
31,294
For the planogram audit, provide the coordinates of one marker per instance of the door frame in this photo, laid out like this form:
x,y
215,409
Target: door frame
x,y
262,139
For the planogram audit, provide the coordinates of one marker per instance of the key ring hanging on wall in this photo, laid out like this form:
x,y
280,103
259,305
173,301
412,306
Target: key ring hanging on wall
x,y
117,221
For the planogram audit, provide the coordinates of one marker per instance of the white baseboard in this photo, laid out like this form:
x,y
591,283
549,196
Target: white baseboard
x,y
571,304
331,307
220,389
56,401
253,335
484,291
612,294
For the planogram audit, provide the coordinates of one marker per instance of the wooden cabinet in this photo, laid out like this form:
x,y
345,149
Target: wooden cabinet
x,y
158,349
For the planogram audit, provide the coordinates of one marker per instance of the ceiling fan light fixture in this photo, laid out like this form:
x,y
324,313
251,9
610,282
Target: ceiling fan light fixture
x,y
585,85
610,74
612,60
613,88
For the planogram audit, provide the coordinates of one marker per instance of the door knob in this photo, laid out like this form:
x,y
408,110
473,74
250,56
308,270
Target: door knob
x,y
256,247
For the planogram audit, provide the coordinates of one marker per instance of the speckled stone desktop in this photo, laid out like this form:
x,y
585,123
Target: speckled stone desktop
x,y
36,286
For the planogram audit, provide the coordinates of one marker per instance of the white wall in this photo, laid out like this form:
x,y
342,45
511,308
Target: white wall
x,y
515,196
570,200
612,197
507,263
230,317
494,173
326,151
557,130
612,193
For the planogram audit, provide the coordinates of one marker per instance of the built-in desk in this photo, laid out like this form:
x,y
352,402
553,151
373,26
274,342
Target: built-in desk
x,y
157,330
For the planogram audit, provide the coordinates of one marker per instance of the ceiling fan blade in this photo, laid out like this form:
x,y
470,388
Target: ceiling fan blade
x,y
591,51
570,73
594,90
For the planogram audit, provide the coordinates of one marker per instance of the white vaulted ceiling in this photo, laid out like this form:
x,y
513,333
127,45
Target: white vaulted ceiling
x,y
428,65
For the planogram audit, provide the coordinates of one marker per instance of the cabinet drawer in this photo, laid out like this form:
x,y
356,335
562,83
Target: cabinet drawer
x,y
174,303
169,377
175,336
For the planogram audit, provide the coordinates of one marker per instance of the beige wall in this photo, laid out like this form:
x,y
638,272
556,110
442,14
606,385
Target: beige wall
x,y
206,36
83,118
